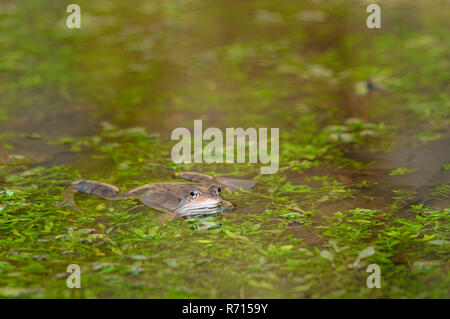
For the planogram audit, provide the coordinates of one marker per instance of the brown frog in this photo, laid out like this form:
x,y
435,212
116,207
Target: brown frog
x,y
174,199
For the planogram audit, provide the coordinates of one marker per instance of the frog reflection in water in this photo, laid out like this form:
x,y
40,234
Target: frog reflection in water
x,y
174,199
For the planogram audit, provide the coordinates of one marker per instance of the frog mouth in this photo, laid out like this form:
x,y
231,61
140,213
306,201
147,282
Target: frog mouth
x,y
203,207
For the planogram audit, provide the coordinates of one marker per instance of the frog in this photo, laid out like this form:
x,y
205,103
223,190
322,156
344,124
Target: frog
x,y
201,196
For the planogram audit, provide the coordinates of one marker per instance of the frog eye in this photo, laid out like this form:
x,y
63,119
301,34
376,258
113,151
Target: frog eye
x,y
214,189
193,194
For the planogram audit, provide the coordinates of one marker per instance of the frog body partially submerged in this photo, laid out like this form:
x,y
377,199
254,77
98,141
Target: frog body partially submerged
x,y
174,199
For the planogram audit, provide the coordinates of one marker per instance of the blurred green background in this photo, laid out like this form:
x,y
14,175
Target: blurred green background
x,y
362,173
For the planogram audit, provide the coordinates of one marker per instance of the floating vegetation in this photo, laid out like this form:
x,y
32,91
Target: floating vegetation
x,y
400,171
100,105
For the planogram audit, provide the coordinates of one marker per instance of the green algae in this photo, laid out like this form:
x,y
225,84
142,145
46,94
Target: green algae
x,y
279,72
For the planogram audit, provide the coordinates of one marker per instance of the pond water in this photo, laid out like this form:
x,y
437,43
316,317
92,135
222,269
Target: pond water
x,y
363,116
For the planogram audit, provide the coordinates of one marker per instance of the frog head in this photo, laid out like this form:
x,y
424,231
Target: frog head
x,y
196,201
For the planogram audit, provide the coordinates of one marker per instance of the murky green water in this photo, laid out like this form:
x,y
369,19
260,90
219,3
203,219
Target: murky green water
x,y
381,182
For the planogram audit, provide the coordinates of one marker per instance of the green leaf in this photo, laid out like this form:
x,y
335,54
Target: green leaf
x,y
48,226
256,227
230,234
